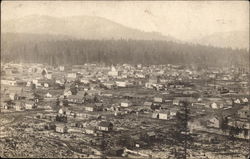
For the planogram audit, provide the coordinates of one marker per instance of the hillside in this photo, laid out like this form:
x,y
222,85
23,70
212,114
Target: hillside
x,y
79,27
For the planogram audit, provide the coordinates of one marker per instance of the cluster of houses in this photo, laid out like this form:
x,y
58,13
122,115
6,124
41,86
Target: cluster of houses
x,y
232,122
74,95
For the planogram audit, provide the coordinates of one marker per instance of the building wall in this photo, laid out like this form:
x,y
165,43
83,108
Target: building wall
x,y
91,109
103,128
163,116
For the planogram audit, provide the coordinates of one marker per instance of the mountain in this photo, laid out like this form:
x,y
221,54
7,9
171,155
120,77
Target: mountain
x,y
79,27
233,39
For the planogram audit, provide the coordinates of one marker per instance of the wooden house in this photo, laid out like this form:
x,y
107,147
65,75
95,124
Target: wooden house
x,y
244,112
105,126
126,104
158,99
164,115
79,99
214,122
61,128
30,104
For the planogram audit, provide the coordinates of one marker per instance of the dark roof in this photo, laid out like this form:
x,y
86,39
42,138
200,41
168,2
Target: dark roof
x,y
105,123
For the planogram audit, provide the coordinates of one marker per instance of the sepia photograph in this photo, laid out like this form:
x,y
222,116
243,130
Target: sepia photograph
x,y
125,79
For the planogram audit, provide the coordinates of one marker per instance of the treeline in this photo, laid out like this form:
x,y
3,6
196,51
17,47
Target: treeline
x,y
120,51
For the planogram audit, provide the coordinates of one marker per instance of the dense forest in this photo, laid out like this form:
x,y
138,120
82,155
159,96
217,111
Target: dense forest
x,y
62,51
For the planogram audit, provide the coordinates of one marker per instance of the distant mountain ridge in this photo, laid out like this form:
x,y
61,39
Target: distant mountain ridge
x,y
98,28
80,27
233,39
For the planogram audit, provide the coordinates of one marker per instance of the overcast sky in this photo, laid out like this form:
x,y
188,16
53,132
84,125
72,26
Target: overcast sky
x,y
183,20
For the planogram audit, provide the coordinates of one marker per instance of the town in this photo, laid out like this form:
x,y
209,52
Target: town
x,y
124,110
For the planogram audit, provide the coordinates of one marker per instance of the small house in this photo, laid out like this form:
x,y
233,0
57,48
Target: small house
x,y
148,104
116,152
151,135
155,115
76,99
19,106
154,79
72,75
105,126
13,96
214,105
164,115
126,104
237,101
244,100
214,122
173,112
158,99
121,84
62,111
61,128
61,68
176,102
30,105
244,112
108,85
6,107
48,95
49,75
8,82
68,112
90,130
113,72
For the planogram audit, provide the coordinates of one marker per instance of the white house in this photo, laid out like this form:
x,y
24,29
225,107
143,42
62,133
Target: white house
x,y
19,106
61,128
29,105
46,85
237,101
158,99
164,115
245,100
49,76
13,96
85,81
126,104
89,108
62,111
8,82
71,75
121,83
113,72
48,95
61,68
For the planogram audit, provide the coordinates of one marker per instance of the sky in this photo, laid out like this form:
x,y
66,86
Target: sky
x,y
184,20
